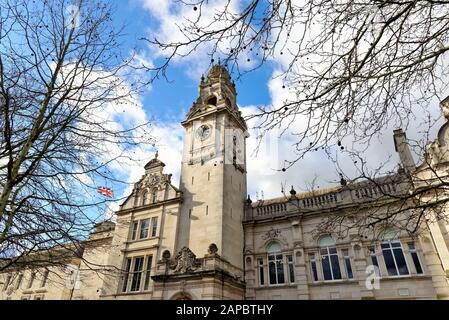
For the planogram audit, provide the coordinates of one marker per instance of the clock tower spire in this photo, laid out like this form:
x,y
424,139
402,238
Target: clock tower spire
x,y
213,173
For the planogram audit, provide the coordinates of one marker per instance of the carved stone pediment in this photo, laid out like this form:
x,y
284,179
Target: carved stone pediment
x,y
153,180
185,261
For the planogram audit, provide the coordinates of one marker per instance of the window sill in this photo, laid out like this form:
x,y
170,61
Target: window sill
x,y
142,240
271,286
333,282
424,276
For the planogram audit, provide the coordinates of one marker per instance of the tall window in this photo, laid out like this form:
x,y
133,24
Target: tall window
x,y
393,254
144,226
137,274
275,265
414,254
374,261
154,196
291,268
126,275
134,227
313,268
329,259
153,226
347,263
260,269
146,285
44,278
394,258
30,283
19,281
145,198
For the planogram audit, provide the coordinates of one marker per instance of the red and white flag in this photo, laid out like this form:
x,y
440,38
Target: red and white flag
x,y
106,192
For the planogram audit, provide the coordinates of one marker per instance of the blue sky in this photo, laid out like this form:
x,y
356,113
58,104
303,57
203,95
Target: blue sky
x,y
168,103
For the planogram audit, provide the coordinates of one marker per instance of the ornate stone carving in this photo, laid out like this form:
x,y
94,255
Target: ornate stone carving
x,y
271,234
185,261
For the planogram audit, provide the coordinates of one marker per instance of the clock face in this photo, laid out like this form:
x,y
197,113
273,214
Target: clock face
x,y
204,132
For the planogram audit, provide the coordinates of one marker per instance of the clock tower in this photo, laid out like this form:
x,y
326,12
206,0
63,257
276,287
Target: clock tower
x,y
213,174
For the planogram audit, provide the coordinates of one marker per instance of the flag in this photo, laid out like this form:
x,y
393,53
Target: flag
x,y
106,192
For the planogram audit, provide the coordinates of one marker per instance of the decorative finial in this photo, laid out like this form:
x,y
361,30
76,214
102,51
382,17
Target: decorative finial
x,y
249,201
293,191
157,154
219,61
202,78
343,181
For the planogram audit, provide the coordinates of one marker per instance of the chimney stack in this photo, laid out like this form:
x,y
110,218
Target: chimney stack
x,y
401,146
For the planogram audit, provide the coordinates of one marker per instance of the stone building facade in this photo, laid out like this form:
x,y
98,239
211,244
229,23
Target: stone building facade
x,y
206,240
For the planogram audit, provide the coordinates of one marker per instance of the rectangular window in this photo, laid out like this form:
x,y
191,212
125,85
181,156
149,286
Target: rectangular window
x,y
8,280
374,261
126,275
276,269
313,268
30,283
44,278
134,227
137,274
144,226
291,268
414,254
394,258
261,272
148,273
348,263
153,226
330,263
19,281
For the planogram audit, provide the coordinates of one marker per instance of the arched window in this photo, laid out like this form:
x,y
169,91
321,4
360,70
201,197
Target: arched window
x,y
275,264
329,259
145,198
154,196
393,254
212,100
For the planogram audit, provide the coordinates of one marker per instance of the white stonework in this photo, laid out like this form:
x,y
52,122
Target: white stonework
x,y
205,240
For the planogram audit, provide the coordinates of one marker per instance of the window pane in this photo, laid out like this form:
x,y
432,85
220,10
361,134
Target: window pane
x,y
400,261
416,262
148,273
261,275
314,270
335,267
153,226
272,272
389,263
376,264
280,271
134,231
348,268
137,274
326,268
125,278
144,229
291,268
